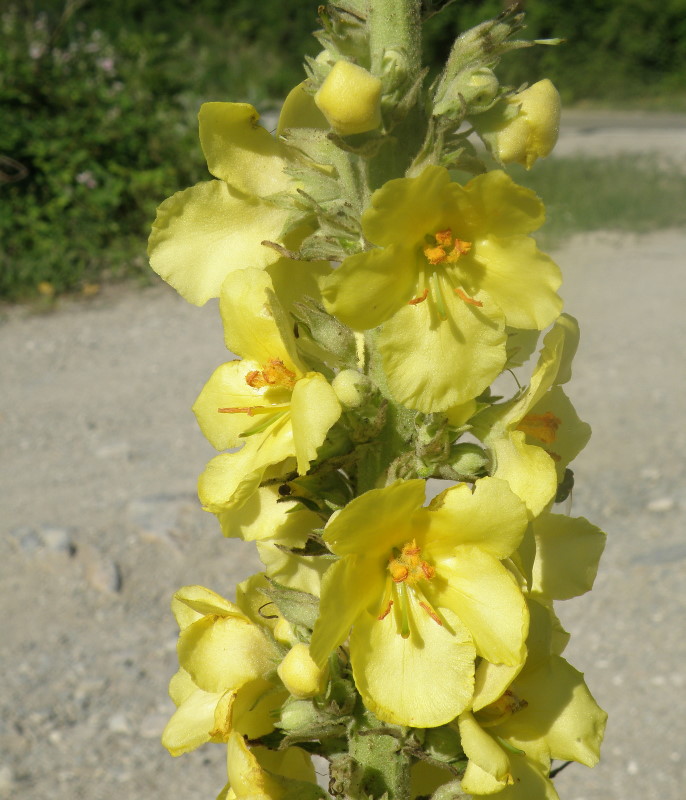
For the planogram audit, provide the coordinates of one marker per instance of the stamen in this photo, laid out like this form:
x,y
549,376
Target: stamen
x,y
422,297
434,616
386,611
249,410
275,373
434,255
468,299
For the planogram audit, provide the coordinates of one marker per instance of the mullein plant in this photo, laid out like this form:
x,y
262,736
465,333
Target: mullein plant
x,y
376,273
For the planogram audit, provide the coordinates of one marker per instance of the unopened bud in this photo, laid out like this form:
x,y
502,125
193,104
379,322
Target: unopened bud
x,y
350,99
530,132
299,673
476,90
349,386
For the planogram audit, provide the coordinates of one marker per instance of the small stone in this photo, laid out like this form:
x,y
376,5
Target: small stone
x,y
59,540
632,768
27,538
100,571
650,474
661,505
118,723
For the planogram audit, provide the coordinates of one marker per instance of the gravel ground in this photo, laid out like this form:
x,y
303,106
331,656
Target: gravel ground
x,y
100,523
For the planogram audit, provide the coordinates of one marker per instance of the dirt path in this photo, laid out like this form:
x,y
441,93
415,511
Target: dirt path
x,y
99,522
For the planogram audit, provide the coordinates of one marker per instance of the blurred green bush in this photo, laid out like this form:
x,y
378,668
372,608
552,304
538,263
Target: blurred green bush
x,y
98,103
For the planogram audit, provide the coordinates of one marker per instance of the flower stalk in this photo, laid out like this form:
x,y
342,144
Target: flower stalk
x,y
369,301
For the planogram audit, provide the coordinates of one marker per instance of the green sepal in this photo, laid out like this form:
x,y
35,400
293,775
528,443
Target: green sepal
x,y
299,608
326,331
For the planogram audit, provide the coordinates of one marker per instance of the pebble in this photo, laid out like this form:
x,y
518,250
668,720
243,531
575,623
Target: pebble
x,y
118,723
59,540
6,778
661,505
101,572
46,538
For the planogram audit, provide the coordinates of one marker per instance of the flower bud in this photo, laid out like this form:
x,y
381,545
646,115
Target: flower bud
x,y
477,89
349,386
299,673
531,131
350,99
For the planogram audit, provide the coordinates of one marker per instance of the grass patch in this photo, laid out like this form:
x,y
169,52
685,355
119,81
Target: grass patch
x,y
622,193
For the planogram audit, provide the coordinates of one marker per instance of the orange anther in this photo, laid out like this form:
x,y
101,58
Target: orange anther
x,y
444,238
434,255
428,570
387,610
422,297
434,616
398,571
468,299
249,410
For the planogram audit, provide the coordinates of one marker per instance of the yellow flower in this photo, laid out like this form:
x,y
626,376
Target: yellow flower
x,y
533,437
425,592
267,400
203,233
226,679
546,713
453,265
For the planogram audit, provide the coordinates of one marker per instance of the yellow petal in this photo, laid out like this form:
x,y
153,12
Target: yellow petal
x,y
230,478
433,364
561,720
370,287
266,515
256,708
299,111
190,603
490,516
491,681
567,555
205,232
404,210
222,653
348,587
250,328
422,681
314,409
240,151
181,687
191,723
498,205
304,573
246,777
377,520
482,749
528,469
520,279
228,388
485,597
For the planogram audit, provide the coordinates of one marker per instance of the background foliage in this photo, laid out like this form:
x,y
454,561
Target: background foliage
x,y
98,103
